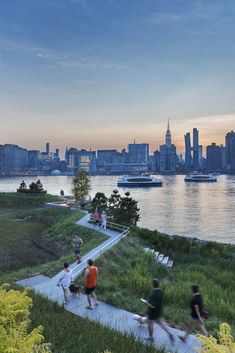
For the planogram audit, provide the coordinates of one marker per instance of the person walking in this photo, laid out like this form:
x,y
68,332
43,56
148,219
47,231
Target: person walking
x,y
154,311
65,281
96,218
91,275
103,220
77,243
196,316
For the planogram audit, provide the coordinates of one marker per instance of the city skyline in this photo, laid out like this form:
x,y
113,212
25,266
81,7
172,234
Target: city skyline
x,y
219,140
101,74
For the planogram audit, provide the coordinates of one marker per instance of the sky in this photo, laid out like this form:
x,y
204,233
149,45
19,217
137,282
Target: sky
x,y
101,73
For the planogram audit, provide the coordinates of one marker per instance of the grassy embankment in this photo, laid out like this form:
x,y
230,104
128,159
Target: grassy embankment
x,y
37,240
126,272
54,229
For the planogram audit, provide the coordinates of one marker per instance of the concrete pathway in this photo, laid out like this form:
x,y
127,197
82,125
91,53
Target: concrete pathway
x,y
106,314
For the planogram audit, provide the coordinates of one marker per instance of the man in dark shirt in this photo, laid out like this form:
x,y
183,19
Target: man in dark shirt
x,y
196,316
154,312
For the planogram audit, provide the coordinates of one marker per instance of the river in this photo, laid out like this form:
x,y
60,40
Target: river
x,y
202,210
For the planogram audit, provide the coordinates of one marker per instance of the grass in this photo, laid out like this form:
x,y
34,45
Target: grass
x,y
72,334
126,272
37,240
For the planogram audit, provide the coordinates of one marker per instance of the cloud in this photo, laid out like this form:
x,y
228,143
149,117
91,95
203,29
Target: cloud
x,y
60,58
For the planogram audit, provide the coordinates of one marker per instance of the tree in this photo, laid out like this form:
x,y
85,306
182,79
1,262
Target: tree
x,y
123,210
113,204
128,212
14,321
81,186
99,202
225,343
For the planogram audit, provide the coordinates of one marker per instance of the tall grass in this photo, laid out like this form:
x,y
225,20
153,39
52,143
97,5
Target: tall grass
x,y
126,273
37,240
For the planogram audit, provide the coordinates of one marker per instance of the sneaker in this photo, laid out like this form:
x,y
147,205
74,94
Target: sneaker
x,y
89,307
149,339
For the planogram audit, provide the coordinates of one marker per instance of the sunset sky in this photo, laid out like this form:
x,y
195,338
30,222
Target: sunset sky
x,y
99,73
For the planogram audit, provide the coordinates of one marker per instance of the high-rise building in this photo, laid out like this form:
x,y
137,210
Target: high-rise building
x,y
213,158
34,159
15,159
230,152
57,152
47,148
71,156
195,149
188,156
138,152
167,156
87,161
168,135
223,158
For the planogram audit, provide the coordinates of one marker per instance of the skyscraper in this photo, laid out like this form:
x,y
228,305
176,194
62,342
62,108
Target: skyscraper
x,y
230,152
188,156
168,135
195,149
213,158
167,156
47,148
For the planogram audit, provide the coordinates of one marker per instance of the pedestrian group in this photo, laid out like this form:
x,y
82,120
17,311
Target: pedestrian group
x,y
154,301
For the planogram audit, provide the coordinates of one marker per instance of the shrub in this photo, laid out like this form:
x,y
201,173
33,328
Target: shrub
x,y
14,321
225,343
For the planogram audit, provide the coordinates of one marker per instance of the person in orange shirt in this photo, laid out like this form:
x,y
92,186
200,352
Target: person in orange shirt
x,y
91,275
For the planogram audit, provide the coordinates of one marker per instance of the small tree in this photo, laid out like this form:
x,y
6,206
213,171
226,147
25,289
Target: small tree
x,y
128,212
14,322
99,202
113,204
81,186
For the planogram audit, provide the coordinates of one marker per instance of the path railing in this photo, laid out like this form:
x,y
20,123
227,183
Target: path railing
x,y
111,225
106,246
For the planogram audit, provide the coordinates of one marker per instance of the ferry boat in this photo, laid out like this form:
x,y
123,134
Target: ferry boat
x,y
142,180
198,178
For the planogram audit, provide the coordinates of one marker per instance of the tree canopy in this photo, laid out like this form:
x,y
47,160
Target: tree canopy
x,y
81,185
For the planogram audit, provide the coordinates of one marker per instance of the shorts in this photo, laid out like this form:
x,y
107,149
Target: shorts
x,y
97,221
193,318
77,251
89,290
153,315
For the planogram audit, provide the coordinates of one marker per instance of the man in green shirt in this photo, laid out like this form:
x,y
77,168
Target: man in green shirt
x,y
154,312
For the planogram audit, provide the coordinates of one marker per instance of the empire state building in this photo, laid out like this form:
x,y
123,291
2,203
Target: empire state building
x,y
168,157
168,135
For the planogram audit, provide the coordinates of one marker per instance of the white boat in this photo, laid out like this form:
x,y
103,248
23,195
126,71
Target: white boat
x,y
142,180
198,178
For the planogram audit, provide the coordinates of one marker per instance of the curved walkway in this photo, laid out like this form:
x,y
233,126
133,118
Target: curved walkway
x,y
105,314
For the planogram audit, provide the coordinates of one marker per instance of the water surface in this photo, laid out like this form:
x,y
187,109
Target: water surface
x,y
202,210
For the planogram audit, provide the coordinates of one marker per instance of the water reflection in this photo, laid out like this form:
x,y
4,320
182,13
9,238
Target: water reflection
x,y
202,210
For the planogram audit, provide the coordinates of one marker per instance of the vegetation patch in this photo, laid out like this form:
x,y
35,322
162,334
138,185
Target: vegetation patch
x,y
39,238
126,272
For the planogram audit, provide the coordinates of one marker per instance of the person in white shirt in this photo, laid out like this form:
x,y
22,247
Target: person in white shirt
x,y
103,220
65,281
